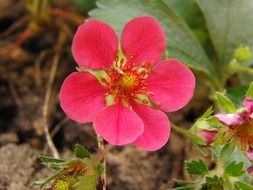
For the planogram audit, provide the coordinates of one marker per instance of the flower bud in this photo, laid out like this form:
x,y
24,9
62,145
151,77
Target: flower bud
x,y
243,54
208,136
250,170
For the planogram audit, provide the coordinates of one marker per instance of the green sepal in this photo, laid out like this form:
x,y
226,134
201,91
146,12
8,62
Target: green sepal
x,y
249,92
213,183
183,182
100,75
183,188
49,159
225,102
143,99
81,152
52,163
46,181
100,169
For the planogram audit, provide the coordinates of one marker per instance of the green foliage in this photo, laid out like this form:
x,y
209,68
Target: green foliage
x,y
213,183
183,182
249,92
206,114
79,173
234,169
236,94
81,152
52,163
196,167
226,152
224,18
100,169
181,41
225,102
184,188
85,5
86,183
243,186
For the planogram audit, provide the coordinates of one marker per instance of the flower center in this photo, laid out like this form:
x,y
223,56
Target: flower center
x,y
127,79
244,132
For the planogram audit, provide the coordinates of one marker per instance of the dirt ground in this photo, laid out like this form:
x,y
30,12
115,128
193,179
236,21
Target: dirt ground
x,y
24,80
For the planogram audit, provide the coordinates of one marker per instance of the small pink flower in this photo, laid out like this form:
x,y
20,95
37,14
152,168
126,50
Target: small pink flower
x,y
125,97
241,126
208,136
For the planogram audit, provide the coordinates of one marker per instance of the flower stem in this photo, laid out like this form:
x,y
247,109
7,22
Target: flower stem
x,y
241,68
180,130
101,147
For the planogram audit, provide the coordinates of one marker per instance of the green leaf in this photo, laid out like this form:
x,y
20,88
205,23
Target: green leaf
x,y
183,188
85,5
196,167
81,152
234,169
183,182
230,25
180,6
244,186
49,159
198,140
207,113
249,92
236,94
86,183
100,169
227,152
213,183
46,181
225,102
181,41
52,163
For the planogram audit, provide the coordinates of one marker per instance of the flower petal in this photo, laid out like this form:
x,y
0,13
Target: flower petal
x,y
94,45
118,125
143,40
248,104
229,119
172,85
81,97
156,128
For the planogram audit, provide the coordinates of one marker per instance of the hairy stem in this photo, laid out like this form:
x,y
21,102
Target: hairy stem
x,y
180,130
240,68
101,147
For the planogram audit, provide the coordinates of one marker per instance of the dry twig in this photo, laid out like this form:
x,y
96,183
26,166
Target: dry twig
x,y
54,67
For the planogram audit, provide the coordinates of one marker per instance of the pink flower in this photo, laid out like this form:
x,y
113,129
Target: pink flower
x,y
241,126
124,85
